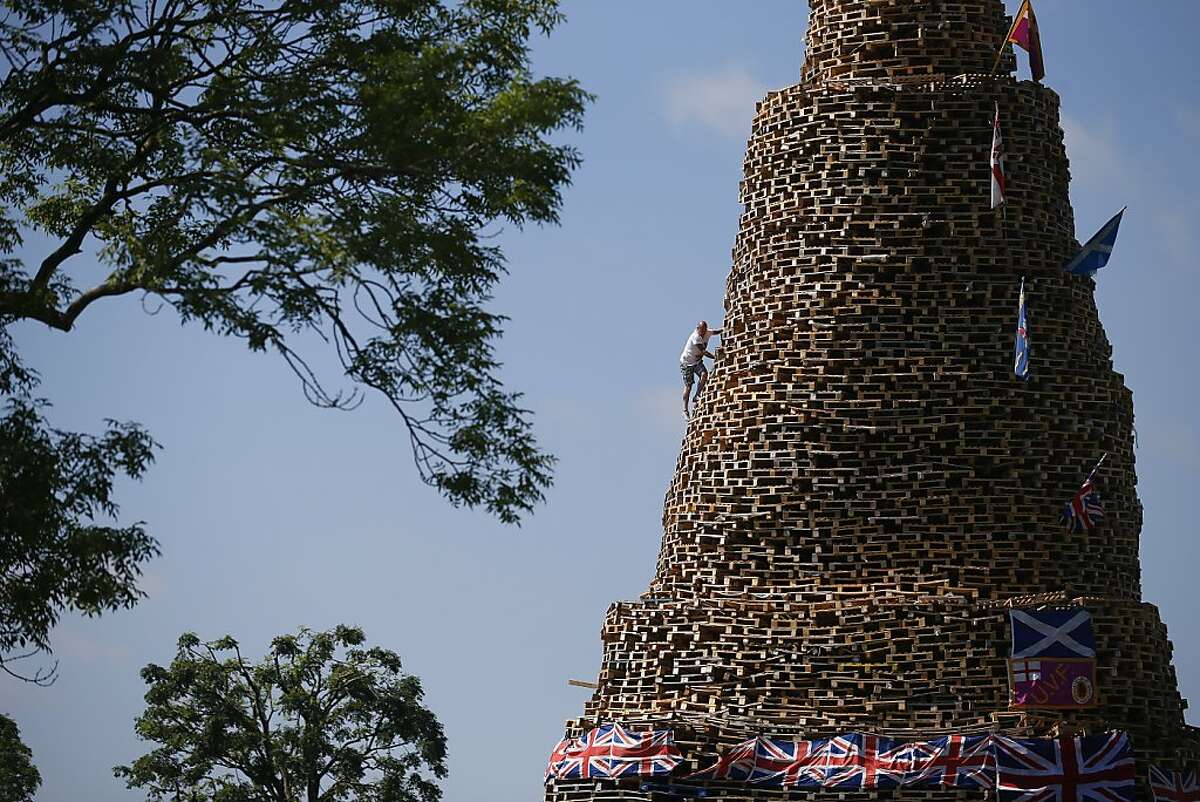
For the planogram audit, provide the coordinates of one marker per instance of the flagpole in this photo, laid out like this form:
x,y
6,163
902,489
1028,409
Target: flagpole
x,y
1007,38
1092,475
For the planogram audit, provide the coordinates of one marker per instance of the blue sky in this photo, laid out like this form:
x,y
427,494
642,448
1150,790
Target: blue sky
x,y
273,514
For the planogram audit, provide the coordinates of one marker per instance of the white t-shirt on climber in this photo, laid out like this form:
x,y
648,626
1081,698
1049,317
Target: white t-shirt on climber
x,y
693,350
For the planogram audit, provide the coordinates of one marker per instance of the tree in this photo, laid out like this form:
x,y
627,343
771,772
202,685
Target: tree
x,y
53,555
319,719
304,165
290,173
19,778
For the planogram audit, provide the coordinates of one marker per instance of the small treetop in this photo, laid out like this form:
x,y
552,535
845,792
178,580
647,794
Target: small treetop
x,y
321,718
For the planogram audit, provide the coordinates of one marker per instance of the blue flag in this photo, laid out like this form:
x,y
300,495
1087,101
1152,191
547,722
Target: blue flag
x,y
1098,250
1021,358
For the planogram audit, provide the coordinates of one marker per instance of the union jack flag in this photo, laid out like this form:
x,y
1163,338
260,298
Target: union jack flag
x,y
952,761
1089,769
557,756
768,761
1084,511
611,751
1173,786
858,761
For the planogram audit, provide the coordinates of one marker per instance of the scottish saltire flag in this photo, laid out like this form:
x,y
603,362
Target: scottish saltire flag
x,y
1021,349
1089,769
1173,786
998,177
1098,250
1024,33
771,762
1052,633
952,761
611,751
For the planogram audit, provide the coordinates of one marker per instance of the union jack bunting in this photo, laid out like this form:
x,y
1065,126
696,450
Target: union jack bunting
x,y
1173,786
1089,769
611,751
952,761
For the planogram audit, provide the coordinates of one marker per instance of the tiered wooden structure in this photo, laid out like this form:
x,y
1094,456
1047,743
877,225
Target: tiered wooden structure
x,y
866,488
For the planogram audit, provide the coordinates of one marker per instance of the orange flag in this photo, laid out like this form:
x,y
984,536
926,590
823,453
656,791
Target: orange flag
x,y
1024,33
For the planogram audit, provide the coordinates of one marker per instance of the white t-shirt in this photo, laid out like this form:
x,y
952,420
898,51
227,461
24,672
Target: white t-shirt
x,y
694,348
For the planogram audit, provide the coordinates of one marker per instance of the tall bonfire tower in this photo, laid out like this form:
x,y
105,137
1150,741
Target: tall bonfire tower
x,y
866,490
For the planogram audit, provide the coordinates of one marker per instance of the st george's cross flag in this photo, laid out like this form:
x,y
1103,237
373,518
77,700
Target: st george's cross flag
x,y
1173,786
1024,33
1053,660
1098,250
1097,768
611,751
1021,345
998,177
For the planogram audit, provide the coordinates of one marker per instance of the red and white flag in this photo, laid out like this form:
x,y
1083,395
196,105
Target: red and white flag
x,y
998,179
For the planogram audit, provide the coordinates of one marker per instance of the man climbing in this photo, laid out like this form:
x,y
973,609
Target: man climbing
x,y
691,361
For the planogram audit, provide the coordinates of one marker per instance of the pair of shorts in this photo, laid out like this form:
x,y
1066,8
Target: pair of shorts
x,y
690,371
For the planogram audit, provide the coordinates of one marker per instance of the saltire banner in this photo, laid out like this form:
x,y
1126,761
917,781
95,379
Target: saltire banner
x,y
998,177
1021,347
1098,768
1098,250
1174,786
1053,659
611,751
1024,33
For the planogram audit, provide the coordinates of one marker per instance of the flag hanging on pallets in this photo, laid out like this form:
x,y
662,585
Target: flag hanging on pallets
x,y
998,177
859,761
772,762
1053,660
1086,769
1021,346
952,761
1174,786
611,751
1084,511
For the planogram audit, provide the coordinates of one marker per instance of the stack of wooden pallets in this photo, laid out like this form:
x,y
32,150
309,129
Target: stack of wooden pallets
x,y
865,488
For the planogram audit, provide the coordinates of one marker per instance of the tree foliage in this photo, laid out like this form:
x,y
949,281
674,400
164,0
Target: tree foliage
x,y
19,778
55,491
321,719
274,170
